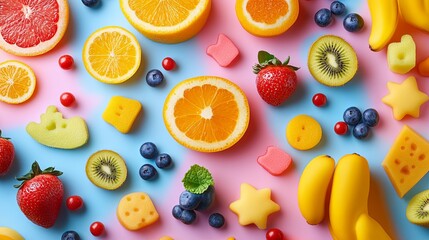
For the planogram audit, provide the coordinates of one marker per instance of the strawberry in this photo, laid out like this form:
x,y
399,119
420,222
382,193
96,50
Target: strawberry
x,y
7,154
275,81
40,195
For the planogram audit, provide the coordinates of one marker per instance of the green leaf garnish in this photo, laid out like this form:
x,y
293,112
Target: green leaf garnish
x,y
197,179
264,56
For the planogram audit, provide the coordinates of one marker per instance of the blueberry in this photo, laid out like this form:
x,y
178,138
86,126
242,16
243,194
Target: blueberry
x,y
188,216
370,117
70,235
216,220
352,116
154,77
323,17
148,150
207,199
148,172
90,3
177,211
338,8
163,161
353,22
189,201
361,131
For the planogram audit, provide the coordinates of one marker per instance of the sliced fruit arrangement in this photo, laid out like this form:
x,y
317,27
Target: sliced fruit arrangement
x,y
111,54
206,113
106,169
17,82
332,61
40,195
267,18
170,21
276,81
418,209
10,234
30,28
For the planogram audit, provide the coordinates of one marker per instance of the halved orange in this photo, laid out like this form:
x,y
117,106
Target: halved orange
x,y
206,113
267,18
30,28
17,82
167,21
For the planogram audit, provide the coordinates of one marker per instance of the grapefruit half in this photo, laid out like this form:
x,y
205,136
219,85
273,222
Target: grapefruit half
x,y
30,28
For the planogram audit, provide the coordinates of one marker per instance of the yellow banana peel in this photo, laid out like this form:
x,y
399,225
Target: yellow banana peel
x,y
384,16
415,13
368,228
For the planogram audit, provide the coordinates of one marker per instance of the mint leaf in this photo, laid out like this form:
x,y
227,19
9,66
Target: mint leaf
x,y
197,179
264,56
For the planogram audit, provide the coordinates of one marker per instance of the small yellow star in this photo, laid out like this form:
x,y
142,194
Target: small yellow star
x,y
254,206
405,98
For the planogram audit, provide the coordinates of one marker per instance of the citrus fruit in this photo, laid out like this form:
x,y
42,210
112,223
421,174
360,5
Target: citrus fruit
x,y
167,21
267,18
30,28
206,113
111,54
17,82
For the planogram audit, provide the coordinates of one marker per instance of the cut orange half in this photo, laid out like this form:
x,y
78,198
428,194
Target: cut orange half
x,y
267,18
30,28
17,82
167,21
206,113
111,55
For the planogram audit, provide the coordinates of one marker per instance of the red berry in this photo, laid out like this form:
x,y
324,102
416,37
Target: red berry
x,y
96,228
274,234
66,62
319,99
74,203
341,128
67,99
168,63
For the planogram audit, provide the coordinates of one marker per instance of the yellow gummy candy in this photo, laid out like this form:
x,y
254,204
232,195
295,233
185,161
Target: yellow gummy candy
x,y
401,56
303,132
121,112
166,238
55,131
136,211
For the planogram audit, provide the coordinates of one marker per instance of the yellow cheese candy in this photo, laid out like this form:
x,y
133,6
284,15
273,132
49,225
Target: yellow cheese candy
x,y
136,211
401,56
121,112
303,132
407,160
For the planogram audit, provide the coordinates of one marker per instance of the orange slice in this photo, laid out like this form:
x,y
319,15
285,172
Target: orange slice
x,y
112,55
167,21
206,113
30,28
267,18
17,82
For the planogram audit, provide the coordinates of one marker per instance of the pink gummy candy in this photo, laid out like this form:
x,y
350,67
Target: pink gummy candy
x,y
224,51
275,160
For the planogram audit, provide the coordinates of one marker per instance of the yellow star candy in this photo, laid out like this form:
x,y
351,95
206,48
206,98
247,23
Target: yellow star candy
x,y
405,98
254,206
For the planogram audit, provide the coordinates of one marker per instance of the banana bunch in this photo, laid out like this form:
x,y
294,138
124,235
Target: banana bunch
x,y
348,202
385,15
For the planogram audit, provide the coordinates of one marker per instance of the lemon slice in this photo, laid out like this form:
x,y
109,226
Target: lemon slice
x,y
17,82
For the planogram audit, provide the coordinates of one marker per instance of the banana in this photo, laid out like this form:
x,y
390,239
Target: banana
x,y
367,228
313,188
349,195
9,234
415,13
384,16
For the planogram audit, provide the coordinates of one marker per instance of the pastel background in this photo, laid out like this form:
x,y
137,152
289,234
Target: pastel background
x,y
230,168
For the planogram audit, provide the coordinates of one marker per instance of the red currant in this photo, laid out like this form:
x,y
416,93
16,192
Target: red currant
x,y
274,234
74,203
66,62
168,63
67,99
341,128
96,228
319,99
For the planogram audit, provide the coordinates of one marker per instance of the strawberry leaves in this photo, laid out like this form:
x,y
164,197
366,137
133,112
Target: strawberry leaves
x,y
266,59
36,170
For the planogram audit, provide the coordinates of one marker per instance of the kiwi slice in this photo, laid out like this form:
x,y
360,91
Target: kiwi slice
x,y
106,169
418,209
332,61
